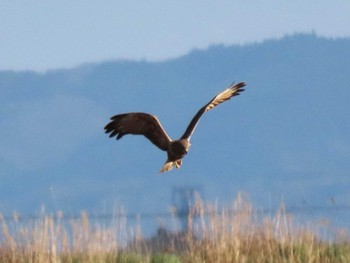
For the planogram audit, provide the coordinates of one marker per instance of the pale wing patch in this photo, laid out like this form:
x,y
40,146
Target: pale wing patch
x,y
223,96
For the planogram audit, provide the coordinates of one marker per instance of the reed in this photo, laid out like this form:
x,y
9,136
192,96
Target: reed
x,y
215,234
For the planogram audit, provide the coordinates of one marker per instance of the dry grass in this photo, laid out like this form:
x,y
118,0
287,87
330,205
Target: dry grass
x,y
238,235
233,234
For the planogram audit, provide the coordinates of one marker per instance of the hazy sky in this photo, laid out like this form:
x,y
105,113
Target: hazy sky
x,y
40,35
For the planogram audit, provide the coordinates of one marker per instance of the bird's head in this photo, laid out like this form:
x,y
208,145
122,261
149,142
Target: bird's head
x,y
185,144
181,146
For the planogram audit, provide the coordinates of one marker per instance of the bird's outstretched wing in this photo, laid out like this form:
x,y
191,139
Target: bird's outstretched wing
x,y
232,90
139,123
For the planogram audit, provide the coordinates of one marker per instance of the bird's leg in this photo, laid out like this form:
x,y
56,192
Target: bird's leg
x,y
178,163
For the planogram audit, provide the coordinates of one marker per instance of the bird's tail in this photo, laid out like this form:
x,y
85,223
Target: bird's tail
x,y
169,165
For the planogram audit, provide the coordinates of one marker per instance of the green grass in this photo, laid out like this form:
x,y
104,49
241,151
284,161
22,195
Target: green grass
x,y
214,235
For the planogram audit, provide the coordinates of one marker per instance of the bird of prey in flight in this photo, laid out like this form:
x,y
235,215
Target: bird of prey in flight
x,y
139,123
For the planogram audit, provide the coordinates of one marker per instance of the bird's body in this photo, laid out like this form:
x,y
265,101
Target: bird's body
x,y
139,123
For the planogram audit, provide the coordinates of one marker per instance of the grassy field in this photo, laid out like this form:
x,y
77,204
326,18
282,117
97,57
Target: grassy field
x,y
232,234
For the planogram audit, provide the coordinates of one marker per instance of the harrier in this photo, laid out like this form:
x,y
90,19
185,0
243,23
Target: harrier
x,y
139,123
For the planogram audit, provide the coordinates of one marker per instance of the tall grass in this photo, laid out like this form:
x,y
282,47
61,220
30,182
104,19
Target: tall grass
x,y
238,234
230,234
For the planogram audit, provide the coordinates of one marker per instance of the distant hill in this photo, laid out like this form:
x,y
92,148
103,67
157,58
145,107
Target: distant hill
x,y
285,138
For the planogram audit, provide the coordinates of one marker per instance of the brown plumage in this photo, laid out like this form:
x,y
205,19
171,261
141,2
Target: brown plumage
x,y
139,123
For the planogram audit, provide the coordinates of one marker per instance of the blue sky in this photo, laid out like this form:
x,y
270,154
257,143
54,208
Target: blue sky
x,y
41,35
